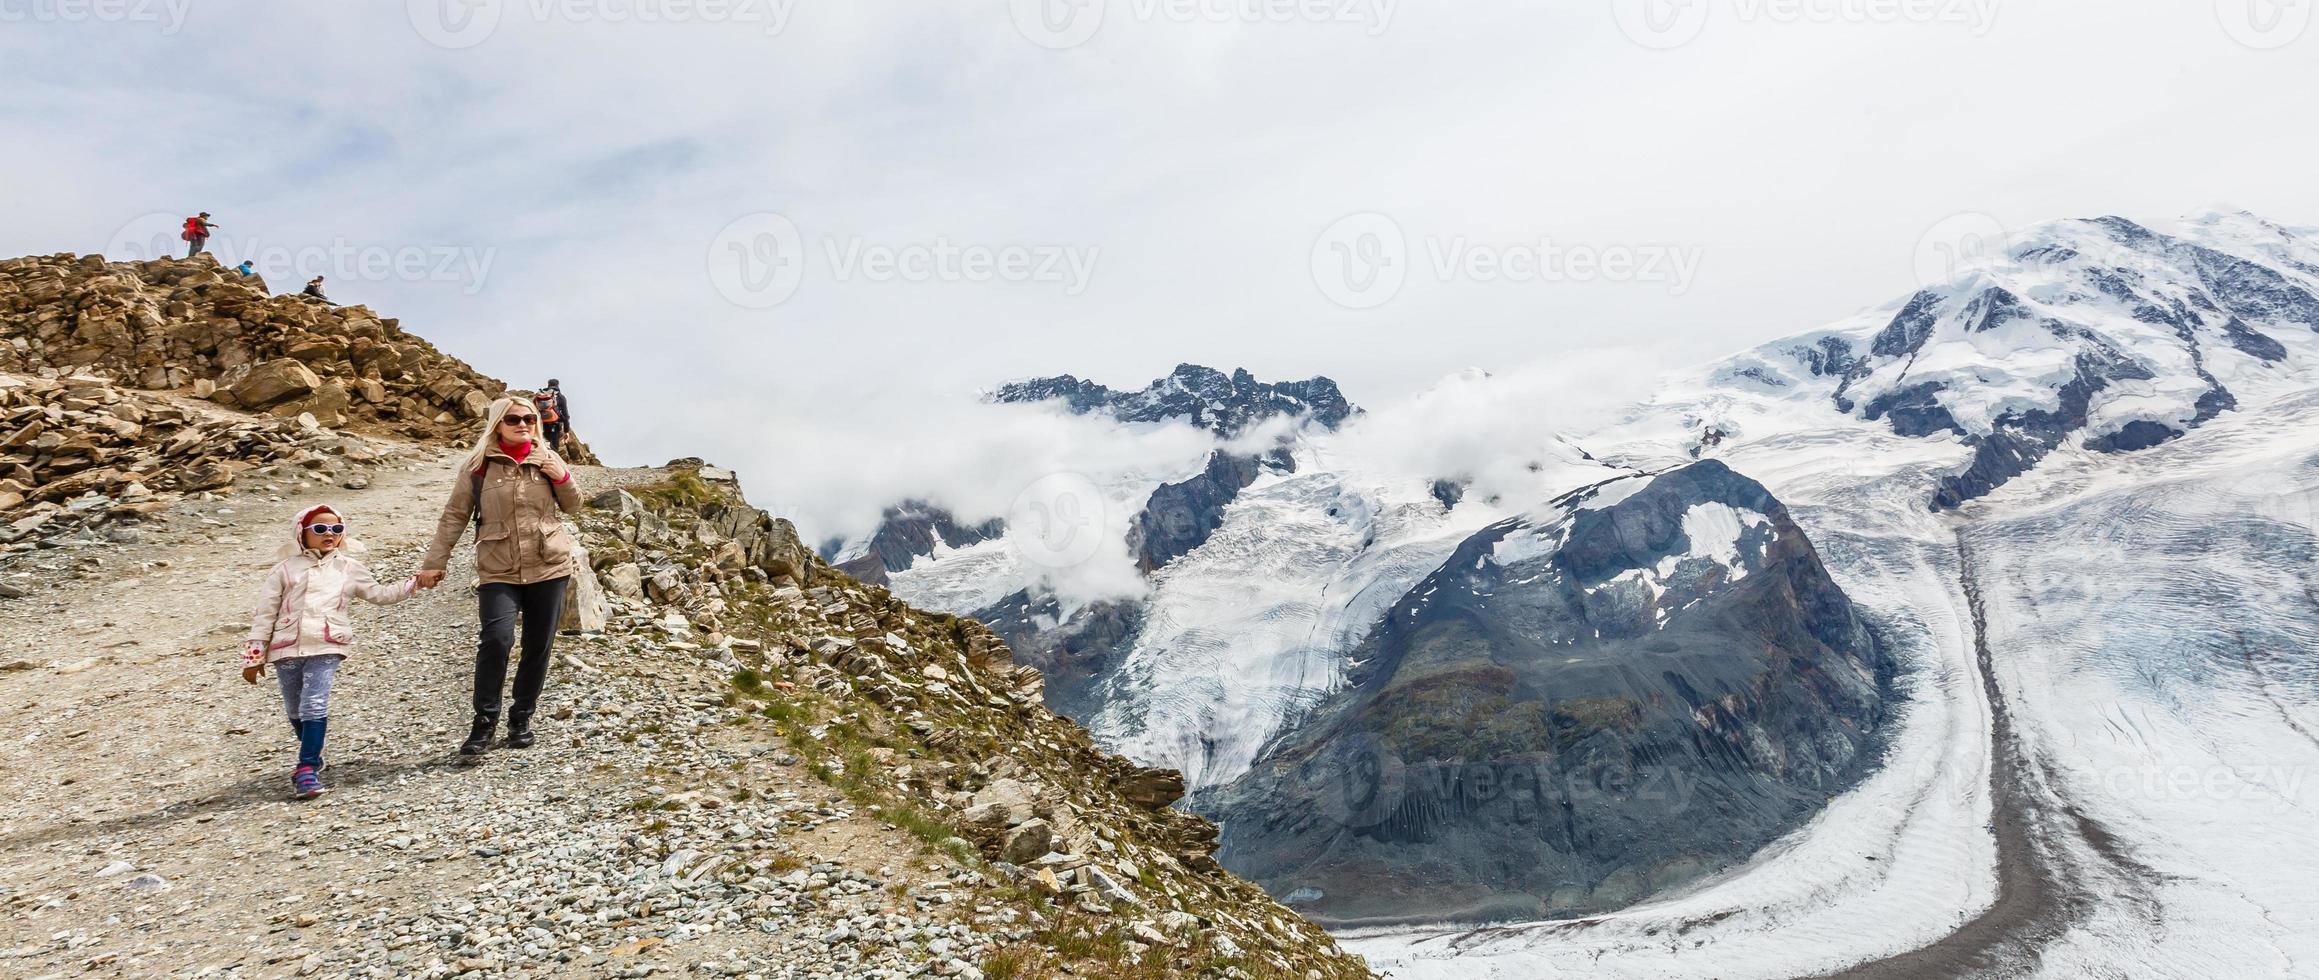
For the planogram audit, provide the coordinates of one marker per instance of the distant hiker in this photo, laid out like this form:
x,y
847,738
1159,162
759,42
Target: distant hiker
x,y
196,233
511,488
245,268
555,413
301,628
314,289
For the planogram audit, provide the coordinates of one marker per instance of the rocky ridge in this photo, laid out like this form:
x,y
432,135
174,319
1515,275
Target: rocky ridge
x,y
191,327
81,456
927,718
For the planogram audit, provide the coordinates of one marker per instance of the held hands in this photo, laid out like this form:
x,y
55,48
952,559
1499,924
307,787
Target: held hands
x,y
430,578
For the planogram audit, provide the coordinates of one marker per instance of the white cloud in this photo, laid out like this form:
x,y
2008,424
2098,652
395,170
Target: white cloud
x,y
1195,159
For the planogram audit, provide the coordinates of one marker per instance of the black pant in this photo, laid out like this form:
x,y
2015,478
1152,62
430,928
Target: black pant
x,y
555,434
194,244
542,606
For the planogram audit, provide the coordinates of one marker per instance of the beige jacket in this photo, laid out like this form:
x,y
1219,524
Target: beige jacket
x,y
523,539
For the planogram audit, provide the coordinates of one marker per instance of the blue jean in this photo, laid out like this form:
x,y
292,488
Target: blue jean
x,y
306,685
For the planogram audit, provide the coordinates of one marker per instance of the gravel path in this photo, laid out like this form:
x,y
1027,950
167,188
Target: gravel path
x,y
150,829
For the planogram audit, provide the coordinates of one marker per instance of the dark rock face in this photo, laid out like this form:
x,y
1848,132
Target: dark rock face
x,y
907,531
1075,654
1223,404
1180,516
1569,716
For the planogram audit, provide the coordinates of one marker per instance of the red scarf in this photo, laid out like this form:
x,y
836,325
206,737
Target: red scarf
x,y
514,450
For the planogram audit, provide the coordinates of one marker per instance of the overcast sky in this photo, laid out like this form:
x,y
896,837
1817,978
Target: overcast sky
x,y
799,235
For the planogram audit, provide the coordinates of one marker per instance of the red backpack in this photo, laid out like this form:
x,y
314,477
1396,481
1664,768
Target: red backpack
x,y
193,230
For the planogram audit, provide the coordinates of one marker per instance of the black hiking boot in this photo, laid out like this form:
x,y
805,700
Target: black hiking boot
x,y
479,736
519,730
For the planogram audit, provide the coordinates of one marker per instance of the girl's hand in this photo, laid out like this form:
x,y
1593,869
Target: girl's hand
x,y
253,672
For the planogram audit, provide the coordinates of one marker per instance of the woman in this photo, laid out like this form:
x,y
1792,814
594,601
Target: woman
x,y
511,487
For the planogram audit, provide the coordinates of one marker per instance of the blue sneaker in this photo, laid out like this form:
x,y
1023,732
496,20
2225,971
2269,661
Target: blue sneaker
x,y
307,782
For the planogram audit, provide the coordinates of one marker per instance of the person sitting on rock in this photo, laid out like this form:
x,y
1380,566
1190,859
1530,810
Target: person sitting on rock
x,y
300,627
314,289
246,269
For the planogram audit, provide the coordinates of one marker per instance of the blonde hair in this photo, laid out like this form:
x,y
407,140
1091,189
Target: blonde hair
x,y
490,437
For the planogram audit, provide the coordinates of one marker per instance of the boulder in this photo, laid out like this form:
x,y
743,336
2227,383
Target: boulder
x,y
274,382
1027,843
585,610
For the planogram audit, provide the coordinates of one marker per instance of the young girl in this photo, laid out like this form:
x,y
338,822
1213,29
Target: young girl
x,y
300,626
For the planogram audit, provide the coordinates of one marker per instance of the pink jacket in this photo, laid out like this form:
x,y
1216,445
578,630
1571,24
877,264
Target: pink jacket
x,y
301,608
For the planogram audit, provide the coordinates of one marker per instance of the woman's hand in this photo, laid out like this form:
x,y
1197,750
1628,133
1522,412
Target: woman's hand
x,y
430,578
553,467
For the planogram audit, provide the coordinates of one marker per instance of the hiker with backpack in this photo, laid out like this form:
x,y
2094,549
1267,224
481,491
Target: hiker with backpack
x,y
555,413
196,233
511,489
300,629
314,290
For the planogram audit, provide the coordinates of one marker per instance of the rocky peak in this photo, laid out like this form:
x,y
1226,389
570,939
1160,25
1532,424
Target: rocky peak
x,y
191,327
1677,630
1202,396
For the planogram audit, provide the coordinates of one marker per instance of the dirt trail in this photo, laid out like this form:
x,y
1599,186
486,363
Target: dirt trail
x,y
149,830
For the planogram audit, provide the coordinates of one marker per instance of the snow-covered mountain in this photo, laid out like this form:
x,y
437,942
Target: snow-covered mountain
x,y
2070,494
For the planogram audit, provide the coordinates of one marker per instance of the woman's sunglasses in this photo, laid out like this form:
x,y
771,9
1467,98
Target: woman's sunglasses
x,y
519,419
327,528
